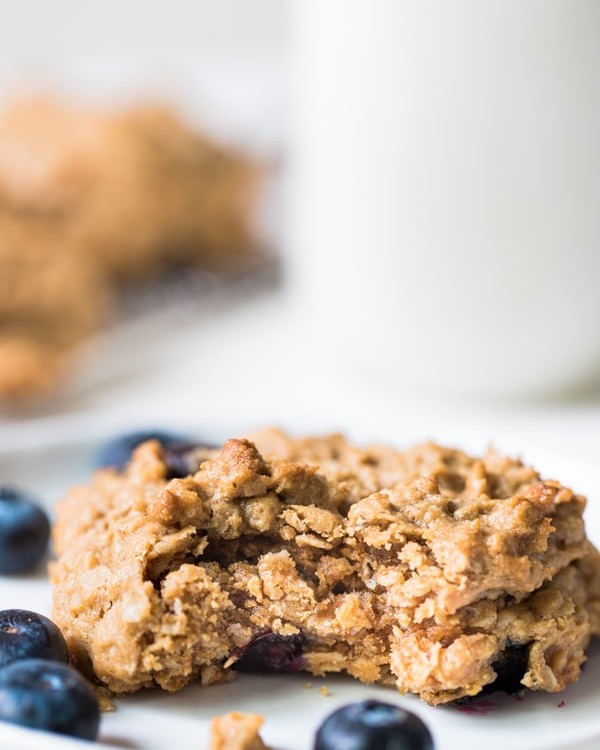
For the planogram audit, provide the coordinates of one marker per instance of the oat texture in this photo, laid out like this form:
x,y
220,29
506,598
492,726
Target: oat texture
x,y
427,570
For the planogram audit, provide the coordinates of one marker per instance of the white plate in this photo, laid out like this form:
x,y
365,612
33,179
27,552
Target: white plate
x,y
154,720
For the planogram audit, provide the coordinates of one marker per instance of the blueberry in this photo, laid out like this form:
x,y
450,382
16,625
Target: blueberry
x,y
43,694
27,635
185,458
372,725
510,669
182,455
268,652
117,452
24,531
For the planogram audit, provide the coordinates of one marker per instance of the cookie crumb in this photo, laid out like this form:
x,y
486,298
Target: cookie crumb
x,y
324,691
307,685
236,731
104,699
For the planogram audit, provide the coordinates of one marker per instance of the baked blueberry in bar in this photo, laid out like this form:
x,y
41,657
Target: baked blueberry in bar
x,y
426,570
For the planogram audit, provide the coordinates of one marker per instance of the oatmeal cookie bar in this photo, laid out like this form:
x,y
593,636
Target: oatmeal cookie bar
x,y
428,570
90,200
163,194
137,189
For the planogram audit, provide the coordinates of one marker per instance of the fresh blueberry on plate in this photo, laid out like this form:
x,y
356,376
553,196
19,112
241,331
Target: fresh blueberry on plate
x,y
117,451
372,725
28,635
48,695
24,531
181,454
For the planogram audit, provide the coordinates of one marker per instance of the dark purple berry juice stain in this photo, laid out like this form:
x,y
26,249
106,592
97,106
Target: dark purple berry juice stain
x,y
478,708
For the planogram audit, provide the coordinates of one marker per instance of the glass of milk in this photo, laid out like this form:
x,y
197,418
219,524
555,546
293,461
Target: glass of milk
x,y
445,199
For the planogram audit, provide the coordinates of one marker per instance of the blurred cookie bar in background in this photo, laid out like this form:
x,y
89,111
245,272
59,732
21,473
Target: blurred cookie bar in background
x,y
91,201
52,295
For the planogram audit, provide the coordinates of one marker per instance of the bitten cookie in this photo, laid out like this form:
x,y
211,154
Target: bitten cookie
x,y
427,570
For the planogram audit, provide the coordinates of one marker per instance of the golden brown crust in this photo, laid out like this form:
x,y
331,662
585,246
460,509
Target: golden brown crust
x,y
420,569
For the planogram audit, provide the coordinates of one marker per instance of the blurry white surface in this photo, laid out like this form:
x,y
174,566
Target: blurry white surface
x,y
242,361
221,63
35,33
152,720
446,203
